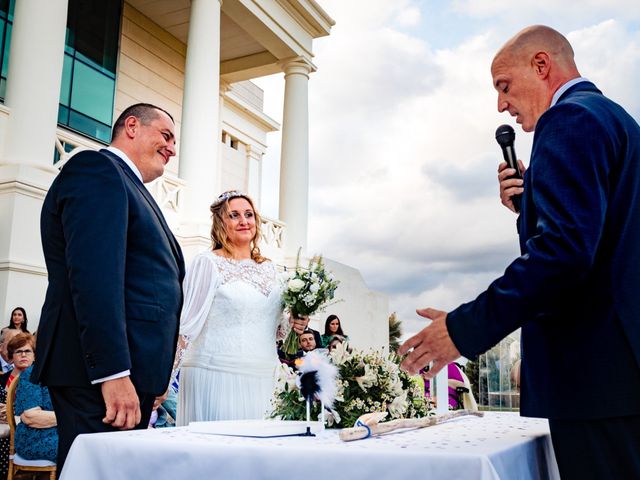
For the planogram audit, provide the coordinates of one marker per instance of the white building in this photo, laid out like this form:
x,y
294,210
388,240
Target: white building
x,y
69,68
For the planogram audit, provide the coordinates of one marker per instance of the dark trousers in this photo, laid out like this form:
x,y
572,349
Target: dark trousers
x,y
81,410
603,449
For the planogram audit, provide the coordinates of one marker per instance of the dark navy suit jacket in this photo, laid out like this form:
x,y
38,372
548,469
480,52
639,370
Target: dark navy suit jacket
x,y
575,290
115,273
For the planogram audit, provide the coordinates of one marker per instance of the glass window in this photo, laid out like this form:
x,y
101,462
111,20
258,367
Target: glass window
x,y
67,74
92,93
89,70
6,21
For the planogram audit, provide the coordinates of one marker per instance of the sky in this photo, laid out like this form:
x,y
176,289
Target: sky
x,y
403,159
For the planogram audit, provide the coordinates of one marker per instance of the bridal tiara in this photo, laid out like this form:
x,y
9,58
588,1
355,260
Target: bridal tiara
x,y
227,196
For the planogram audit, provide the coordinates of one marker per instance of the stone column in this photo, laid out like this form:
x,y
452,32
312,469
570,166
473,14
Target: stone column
x,y
28,127
294,162
36,53
224,88
200,132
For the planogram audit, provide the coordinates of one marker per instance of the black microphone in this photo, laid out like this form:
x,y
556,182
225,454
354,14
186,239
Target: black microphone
x,y
505,137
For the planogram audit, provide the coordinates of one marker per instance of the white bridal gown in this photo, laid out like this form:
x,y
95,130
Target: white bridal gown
x,y
232,310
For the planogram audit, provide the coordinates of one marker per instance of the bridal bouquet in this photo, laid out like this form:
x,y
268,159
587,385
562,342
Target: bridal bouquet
x,y
366,383
306,291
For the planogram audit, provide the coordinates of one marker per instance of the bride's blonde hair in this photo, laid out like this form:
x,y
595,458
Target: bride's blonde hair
x,y
219,237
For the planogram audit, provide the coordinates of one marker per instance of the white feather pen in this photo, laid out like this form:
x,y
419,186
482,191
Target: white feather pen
x,y
326,373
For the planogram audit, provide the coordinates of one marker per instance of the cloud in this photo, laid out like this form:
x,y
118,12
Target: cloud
x,y
549,12
403,157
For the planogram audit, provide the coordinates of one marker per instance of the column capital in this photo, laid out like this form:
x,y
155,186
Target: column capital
x,y
297,65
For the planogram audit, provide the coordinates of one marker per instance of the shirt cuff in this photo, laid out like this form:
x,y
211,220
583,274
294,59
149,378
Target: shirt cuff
x,y
126,373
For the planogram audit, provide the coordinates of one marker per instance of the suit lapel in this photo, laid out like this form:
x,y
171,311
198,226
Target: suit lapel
x,y
175,248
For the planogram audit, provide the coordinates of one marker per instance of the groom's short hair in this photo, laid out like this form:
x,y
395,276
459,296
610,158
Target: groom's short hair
x,y
145,112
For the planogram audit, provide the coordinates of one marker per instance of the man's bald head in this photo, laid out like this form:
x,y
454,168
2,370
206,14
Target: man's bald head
x,y
528,70
524,46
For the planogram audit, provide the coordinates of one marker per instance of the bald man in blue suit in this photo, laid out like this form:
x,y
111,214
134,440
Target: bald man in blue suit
x,y
575,289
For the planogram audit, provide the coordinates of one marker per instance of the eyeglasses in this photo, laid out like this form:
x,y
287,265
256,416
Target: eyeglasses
x,y
23,352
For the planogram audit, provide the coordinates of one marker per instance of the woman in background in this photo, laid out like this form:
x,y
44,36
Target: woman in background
x,y
36,436
18,319
20,351
332,327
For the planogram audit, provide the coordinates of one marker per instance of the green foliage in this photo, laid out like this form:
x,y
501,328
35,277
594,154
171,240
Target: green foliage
x,y
395,332
471,369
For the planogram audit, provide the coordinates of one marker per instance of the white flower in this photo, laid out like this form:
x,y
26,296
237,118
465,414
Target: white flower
x,y
339,354
368,379
314,287
287,275
398,407
395,384
295,285
285,376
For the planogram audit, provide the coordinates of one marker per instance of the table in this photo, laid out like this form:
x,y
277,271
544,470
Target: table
x,y
499,446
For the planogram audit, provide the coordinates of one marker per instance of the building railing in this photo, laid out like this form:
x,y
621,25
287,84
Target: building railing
x,y
273,233
68,144
167,192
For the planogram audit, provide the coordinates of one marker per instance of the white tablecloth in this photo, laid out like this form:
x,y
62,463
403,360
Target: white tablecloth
x,y
499,446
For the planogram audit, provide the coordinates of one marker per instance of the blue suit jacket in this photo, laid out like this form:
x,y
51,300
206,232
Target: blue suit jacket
x,y
115,273
575,290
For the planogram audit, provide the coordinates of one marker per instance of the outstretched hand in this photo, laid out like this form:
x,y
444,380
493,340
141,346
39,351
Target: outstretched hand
x,y
122,403
431,344
510,186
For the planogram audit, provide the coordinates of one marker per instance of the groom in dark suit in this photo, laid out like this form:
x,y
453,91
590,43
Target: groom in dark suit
x,y
575,289
109,323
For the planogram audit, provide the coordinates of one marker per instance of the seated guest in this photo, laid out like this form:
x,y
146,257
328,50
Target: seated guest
x,y
36,436
460,395
20,351
5,336
165,409
18,319
332,327
307,340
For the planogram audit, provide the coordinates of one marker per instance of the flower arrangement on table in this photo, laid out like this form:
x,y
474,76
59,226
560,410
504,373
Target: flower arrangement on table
x,y
306,291
366,383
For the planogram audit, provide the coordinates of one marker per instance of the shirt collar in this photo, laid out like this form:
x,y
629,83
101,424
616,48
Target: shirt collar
x,y
127,160
564,88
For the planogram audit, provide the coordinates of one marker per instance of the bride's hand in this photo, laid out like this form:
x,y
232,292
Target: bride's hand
x,y
298,324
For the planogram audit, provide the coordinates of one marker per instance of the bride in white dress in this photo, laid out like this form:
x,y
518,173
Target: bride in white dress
x,y
231,317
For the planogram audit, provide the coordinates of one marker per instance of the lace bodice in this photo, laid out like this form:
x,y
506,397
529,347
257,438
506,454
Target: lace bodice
x,y
232,312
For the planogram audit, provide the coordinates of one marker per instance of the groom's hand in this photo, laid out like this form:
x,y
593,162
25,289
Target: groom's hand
x,y
122,402
431,344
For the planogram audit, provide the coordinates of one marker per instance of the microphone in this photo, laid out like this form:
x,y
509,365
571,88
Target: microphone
x,y
505,137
